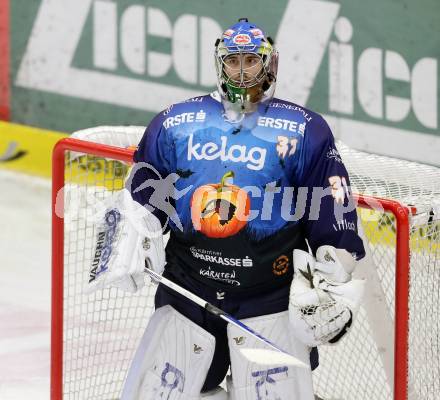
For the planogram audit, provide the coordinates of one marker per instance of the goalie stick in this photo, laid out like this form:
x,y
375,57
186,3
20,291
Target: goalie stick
x,y
261,356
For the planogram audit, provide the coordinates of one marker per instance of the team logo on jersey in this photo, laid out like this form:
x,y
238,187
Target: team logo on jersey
x,y
187,117
281,265
333,154
293,107
216,257
226,277
254,157
220,210
344,225
283,124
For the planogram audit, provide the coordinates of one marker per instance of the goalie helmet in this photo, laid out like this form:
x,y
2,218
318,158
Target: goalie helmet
x,y
246,63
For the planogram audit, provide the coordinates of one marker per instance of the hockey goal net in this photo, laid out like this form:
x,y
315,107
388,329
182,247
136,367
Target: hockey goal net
x,y
393,349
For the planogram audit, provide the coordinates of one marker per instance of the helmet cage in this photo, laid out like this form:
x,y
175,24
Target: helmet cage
x,y
246,79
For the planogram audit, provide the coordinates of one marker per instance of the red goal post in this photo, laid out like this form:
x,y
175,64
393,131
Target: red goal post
x,y
398,213
58,181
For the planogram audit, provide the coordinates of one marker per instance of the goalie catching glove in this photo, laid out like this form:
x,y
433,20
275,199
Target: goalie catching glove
x,y
323,297
128,236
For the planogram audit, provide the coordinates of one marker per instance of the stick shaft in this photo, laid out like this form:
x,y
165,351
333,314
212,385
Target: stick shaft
x,y
179,289
214,310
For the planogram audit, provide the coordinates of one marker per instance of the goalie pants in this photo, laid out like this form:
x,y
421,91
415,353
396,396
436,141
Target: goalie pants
x,y
235,304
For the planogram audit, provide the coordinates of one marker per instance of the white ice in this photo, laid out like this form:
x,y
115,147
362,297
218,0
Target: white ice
x,y
24,286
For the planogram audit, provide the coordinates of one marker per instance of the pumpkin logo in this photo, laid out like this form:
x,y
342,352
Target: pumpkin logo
x,y
220,210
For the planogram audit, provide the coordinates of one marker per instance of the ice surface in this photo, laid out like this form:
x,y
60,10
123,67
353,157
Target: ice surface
x,y
24,286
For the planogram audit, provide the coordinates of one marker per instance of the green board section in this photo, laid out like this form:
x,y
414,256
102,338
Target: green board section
x,y
387,63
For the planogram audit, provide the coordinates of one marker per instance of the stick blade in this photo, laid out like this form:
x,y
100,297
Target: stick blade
x,y
271,357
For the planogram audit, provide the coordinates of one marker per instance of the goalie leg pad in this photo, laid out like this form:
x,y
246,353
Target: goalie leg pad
x,y
172,359
250,380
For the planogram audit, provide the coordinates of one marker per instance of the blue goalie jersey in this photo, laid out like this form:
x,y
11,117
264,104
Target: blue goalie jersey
x,y
239,196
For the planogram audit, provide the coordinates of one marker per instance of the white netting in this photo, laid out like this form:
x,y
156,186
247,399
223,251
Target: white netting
x,y
361,365
119,136
102,330
408,182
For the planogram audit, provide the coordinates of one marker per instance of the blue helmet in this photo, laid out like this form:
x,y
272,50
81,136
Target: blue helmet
x,y
240,40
